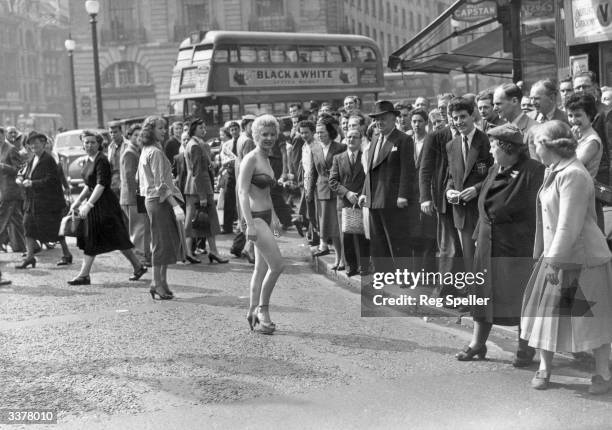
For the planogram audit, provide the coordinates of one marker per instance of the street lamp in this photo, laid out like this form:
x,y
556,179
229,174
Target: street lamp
x,y
70,44
93,7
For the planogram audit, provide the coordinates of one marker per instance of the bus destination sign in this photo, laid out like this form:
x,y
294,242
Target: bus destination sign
x,y
291,77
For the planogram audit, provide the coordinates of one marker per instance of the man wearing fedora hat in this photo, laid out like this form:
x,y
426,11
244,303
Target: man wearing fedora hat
x,y
387,188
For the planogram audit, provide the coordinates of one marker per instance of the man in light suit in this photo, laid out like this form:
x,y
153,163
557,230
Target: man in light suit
x,y
346,179
387,189
469,160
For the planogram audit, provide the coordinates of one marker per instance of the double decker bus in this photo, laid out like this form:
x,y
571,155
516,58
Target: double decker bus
x,y
222,75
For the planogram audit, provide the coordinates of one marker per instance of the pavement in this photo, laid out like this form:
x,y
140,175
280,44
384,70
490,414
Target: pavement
x,y
106,356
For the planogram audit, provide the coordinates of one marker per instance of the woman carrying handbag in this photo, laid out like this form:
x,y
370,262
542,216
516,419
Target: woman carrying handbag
x,y
44,203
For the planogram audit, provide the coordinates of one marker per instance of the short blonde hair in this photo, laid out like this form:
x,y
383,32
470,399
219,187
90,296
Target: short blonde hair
x,y
261,122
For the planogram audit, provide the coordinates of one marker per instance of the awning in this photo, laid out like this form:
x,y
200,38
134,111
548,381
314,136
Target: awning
x,y
483,55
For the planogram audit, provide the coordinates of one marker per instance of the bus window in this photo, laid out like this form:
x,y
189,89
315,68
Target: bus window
x,y
184,57
312,54
334,55
233,54
291,55
364,54
346,53
277,54
248,54
202,53
263,55
220,56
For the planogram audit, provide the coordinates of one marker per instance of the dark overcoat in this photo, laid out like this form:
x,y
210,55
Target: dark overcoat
x,y
505,236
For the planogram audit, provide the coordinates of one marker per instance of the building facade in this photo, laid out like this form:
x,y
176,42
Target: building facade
x,y
33,61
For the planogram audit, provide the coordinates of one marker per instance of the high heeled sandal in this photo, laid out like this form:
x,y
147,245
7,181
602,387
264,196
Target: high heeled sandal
x,y
27,262
166,295
468,353
265,327
138,274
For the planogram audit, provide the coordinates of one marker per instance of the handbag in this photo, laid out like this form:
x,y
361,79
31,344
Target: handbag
x,y
200,220
140,204
603,192
352,220
71,225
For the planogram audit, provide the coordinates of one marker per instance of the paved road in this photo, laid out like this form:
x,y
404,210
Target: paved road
x,y
107,356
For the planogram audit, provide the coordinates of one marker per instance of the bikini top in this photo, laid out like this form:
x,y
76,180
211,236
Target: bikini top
x,y
262,180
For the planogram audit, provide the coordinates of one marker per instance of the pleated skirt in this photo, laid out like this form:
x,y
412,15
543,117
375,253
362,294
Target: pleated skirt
x,y
574,315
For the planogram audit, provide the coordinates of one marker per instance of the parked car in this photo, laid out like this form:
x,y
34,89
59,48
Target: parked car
x,y
71,154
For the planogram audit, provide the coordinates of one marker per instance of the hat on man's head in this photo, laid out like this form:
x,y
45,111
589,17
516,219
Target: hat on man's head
x,y
248,117
382,107
35,135
508,132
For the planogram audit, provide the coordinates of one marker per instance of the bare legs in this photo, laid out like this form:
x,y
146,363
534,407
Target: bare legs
x,y
268,267
65,251
89,259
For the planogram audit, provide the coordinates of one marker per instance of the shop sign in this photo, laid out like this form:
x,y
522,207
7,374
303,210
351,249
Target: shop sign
x,y
291,77
589,21
531,9
476,11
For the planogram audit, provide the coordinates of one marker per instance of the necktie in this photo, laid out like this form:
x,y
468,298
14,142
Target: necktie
x,y
235,146
466,148
352,158
377,149
541,118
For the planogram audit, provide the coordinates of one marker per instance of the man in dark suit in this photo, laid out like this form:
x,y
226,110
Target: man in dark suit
x,y
469,160
346,180
387,189
433,174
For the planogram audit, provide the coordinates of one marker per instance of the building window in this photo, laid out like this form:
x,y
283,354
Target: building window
x,y
359,29
396,42
122,15
395,15
367,30
374,8
403,18
389,43
381,10
359,4
264,8
196,14
124,75
411,21
388,13
353,25
366,4
419,22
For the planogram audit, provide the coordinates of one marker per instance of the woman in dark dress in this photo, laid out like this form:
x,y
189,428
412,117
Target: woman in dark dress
x,y
104,227
504,239
44,202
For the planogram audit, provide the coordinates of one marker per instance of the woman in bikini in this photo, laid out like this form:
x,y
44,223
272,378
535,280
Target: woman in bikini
x,y
254,182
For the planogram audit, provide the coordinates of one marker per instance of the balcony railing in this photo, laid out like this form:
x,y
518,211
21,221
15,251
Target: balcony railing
x,y
123,36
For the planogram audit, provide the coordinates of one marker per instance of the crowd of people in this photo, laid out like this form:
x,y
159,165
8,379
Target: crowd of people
x,y
486,182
